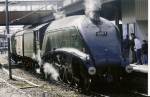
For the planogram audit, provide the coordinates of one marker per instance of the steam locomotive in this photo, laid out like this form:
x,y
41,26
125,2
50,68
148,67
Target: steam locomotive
x,y
82,51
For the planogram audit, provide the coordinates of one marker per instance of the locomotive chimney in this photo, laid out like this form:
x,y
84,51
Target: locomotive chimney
x,y
92,10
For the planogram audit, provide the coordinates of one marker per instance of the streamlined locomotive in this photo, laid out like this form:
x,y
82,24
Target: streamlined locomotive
x,y
79,49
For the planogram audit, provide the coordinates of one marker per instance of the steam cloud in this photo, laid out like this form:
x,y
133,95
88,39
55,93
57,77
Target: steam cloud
x,y
38,57
50,70
59,15
47,68
91,7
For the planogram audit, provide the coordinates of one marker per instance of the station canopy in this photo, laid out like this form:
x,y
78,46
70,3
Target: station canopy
x,y
29,5
29,12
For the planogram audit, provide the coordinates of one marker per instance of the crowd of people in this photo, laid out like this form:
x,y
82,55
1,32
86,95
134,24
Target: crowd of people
x,y
139,50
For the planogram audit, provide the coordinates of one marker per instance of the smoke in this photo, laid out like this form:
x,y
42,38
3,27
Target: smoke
x,y
93,5
50,70
47,68
33,56
92,8
38,57
38,71
59,15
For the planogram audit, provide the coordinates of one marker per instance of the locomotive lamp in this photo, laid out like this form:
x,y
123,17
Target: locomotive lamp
x,y
92,70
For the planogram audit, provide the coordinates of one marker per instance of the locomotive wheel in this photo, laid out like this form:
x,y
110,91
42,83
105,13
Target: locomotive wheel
x,y
112,78
66,74
85,83
70,79
26,64
63,74
33,70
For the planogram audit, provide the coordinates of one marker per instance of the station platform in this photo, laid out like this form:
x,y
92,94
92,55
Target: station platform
x,y
137,68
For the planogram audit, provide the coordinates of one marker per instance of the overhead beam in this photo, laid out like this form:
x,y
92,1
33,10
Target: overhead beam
x,y
34,18
32,2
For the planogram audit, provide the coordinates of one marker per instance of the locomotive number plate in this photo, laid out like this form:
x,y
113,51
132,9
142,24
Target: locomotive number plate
x,y
101,33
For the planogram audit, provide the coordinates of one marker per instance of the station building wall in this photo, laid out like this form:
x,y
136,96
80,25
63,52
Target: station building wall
x,y
135,18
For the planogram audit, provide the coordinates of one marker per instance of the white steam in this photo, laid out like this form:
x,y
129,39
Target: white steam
x,y
47,68
91,6
38,57
38,71
33,56
50,70
59,15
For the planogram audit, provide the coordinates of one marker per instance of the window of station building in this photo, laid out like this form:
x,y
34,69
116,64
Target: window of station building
x,y
2,8
131,28
128,29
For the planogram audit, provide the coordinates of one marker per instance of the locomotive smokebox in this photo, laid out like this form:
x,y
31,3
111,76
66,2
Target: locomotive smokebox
x,y
92,10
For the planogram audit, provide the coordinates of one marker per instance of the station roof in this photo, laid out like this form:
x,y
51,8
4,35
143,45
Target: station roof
x,y
30,5
25,12
25,17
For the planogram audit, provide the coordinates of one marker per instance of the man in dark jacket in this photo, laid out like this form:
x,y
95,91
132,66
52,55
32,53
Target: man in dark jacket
x,y
132,44
126,48
145,52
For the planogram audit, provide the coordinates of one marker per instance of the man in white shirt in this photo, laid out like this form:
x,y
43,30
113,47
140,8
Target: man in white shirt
x,y
138,48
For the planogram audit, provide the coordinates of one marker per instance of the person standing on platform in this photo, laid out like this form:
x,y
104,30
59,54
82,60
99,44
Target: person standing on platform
x,y
145,52
138,49
132,44
126,48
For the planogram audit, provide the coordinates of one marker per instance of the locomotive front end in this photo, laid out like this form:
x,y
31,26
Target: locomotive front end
x,y
103,42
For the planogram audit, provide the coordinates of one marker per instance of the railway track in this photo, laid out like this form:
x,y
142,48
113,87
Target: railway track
x,y
50,89
35,80
57,83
